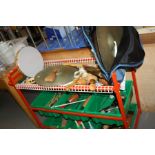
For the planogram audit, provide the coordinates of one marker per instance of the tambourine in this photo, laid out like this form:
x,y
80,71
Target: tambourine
x,y
29,61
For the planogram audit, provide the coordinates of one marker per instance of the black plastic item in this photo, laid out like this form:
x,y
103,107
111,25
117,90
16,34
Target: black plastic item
x,y
104,40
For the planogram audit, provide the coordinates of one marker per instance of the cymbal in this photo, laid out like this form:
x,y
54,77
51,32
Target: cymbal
x,y
106,38
64,75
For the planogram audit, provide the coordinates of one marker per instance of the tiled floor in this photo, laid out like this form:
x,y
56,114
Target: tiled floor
x,y
13,117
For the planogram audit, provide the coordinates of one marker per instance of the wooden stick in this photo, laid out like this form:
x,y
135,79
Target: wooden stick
x,y
86,101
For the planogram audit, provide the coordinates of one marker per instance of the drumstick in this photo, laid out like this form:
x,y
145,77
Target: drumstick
x,y
86,101
73,98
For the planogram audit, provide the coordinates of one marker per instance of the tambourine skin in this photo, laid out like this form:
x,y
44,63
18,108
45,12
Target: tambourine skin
x,y
29,61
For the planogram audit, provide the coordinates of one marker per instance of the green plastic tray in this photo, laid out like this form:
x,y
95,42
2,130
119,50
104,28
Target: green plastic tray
x,y
56,122
96,103
41,101
53,122
71,124
102,100
77,107
86,125
99,100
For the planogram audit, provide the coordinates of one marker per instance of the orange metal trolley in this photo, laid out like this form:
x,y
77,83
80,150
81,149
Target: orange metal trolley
x,y
15,75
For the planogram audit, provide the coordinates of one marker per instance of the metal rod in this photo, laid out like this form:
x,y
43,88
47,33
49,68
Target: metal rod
x,y
68,36
80,114
12,35
57,37
73,38
42,35
69,103
83,125
77,124
29,33
91,127
2,36
109,109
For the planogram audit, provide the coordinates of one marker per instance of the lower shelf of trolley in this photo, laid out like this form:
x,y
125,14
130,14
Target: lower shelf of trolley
x,y
63,122
102,108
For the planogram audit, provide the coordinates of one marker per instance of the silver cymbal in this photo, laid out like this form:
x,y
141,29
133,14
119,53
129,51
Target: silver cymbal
x,y
65,74
105,38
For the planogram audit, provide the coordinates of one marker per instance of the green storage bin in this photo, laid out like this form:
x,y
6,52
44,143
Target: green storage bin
x,y
96,103
77,107
70,124
100,101
42,100
84,125
53,122
92,125
56,122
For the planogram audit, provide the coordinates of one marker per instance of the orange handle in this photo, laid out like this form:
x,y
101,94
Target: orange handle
x,y
73,98
86,101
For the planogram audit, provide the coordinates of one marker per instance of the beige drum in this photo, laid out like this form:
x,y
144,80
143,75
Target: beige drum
x,y
29,61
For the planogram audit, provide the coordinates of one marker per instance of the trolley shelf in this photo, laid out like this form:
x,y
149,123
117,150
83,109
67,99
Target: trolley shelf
x,y
96,104
94,114
62,123
76,88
